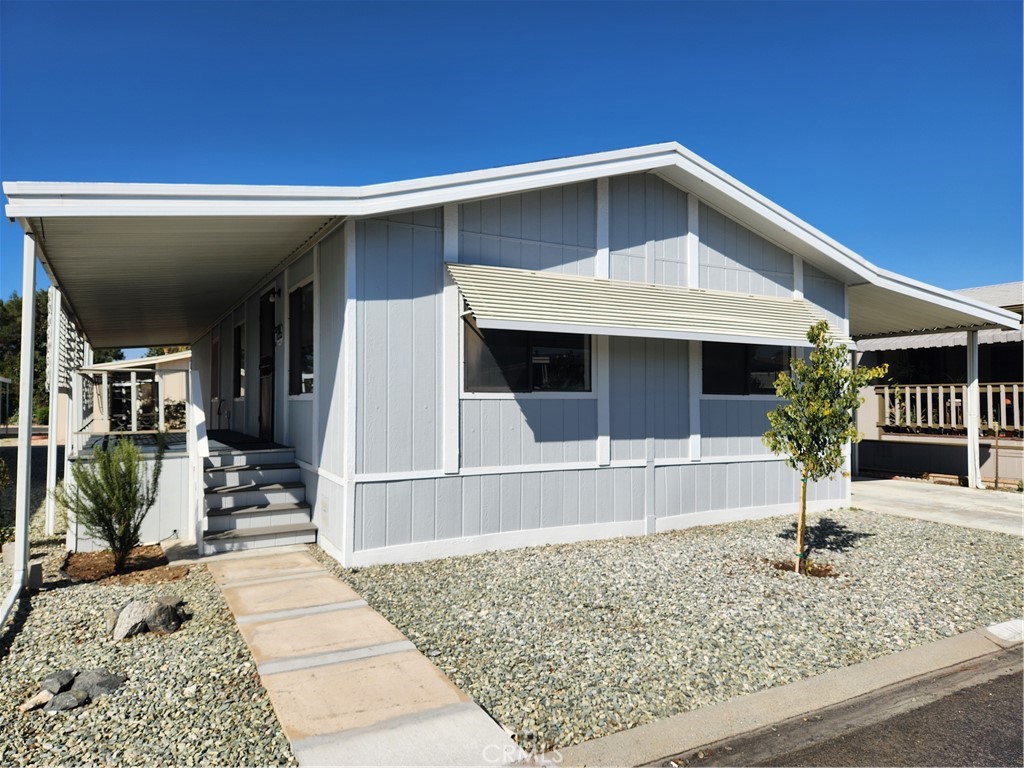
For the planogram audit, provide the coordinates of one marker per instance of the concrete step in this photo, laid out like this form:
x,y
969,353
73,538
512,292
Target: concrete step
x,y
256,516
261,456
256,538
246,474
255,494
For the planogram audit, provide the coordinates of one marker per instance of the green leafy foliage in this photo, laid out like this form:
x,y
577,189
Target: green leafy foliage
x,y
111,495
813,427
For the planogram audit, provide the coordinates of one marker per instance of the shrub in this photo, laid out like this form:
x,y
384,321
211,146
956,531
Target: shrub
x,y
111,495
174,414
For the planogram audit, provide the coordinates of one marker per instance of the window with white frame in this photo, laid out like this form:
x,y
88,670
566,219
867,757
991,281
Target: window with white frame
x,y
300,340
525,361
742,369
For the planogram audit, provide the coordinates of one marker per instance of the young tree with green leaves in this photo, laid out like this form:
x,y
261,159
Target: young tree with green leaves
x,y
812,429
111,495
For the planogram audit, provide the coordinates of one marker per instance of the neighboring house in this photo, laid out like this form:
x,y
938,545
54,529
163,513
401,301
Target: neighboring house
x,y
914,424
563,350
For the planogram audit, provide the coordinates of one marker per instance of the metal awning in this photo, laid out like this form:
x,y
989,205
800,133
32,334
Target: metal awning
x,y
517,299
140,281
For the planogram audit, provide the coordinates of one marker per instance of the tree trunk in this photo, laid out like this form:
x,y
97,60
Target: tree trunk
x,y
800,566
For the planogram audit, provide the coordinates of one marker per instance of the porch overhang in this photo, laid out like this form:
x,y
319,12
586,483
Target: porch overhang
x,y
162,280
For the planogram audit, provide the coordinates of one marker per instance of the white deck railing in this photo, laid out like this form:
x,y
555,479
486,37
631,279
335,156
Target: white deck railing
x,y
940,407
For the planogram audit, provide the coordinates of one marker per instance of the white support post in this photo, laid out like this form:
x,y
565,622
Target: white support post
x,y
451,328
105,400
318,377
198,450
53,341
135,401
798,277
696,385
602,262
692,241
972,413
158,388
24,477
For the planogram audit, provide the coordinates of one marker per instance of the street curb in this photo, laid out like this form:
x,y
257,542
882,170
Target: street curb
x,y
742,715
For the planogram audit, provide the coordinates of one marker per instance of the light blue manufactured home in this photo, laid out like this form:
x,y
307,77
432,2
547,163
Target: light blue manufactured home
x,y
564,350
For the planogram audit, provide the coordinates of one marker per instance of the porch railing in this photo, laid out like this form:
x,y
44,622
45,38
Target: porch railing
x,y
939,408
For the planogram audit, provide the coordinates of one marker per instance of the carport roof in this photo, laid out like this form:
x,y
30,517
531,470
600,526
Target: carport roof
x,y
151,264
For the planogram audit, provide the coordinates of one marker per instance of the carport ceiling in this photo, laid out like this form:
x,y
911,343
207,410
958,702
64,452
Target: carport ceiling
x,y
151,281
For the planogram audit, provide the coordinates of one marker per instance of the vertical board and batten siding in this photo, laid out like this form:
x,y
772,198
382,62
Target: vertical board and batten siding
x,y
550,229
693,488
826,293
734,426
330,379
398,397
733,258
649,393
647,230
455,507
524,431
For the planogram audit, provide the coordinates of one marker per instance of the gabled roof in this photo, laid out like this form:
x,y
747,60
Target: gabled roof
x,y
1005,295
145,264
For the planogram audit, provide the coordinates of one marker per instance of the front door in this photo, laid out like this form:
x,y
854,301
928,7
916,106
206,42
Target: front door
x,y
267,349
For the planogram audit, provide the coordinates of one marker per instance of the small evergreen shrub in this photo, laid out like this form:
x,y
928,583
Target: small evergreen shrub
x,y
111,495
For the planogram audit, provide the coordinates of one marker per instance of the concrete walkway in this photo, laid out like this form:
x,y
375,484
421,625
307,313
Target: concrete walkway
x,y
1000,511
348,688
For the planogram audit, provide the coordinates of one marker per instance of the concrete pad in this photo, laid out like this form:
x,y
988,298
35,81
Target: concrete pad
x,y
318,589
692,730
456,735
358,694
264,567
1007,634
319,633
999,511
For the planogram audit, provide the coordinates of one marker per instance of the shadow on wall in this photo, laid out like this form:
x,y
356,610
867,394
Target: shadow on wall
x,y
827,534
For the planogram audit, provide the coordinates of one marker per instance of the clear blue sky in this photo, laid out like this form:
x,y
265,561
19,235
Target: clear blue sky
x,y
894,127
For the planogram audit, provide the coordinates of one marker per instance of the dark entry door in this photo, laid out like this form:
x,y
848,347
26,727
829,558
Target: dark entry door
x,y
267,349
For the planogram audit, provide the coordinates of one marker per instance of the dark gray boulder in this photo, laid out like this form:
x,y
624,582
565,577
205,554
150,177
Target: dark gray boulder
x,y
66,700
163,619
58,682
97,682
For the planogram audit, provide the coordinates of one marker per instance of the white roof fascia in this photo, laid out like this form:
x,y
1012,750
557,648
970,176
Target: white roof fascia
x,y
67,199
145,362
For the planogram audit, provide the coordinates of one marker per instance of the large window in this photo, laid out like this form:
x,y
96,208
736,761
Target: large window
x,y
742,369
525,361
300,340
238,385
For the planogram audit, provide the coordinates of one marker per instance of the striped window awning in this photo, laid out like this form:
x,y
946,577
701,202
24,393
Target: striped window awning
x,y
517,299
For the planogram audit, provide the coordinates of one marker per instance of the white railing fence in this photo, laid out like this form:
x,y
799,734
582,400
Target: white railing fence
x,y
940,408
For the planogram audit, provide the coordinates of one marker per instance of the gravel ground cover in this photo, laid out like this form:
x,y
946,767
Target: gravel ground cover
x,y
191,698
562,644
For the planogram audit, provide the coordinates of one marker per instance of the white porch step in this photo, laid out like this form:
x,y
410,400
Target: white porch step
x,y
254,494
246,474
264,536
256,516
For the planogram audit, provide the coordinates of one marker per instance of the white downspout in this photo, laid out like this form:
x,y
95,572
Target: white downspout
x,y
21,511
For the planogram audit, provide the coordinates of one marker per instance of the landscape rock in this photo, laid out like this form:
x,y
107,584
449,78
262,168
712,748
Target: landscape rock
x,y
110,617
170,599
97,682
41,697
163,619
67,700
57,682
132,619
